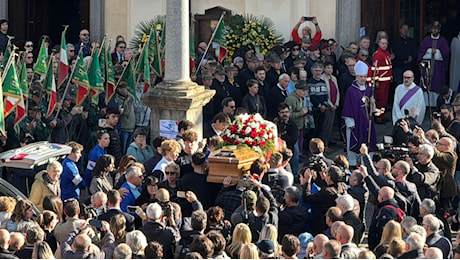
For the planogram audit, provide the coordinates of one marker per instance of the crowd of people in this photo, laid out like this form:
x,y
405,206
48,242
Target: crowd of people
x,y
117,196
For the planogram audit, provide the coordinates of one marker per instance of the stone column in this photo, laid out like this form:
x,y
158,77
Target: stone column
x,y
177,97
96,19
4,9
348,22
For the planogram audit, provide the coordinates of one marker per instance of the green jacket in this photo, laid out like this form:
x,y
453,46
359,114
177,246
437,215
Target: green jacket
x,y
295,103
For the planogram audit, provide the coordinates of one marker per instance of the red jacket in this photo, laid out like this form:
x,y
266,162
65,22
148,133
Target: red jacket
x,y
315,41
382,61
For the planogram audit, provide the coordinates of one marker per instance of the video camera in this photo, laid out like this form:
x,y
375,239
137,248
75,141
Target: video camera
x,y
392,152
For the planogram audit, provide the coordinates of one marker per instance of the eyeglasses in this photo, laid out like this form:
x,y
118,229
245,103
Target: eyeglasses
x,y
364,55
29,45
170,173
71,50
85,34
29,57
122,47
295,49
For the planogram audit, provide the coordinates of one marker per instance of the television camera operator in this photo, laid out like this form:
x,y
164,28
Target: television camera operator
x,y
404,127
274,179
399,171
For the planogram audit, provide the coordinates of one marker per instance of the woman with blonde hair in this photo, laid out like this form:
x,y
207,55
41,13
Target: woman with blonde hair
x,y
118,228
7,205
249,251
391,230
271,232
42,251
241,236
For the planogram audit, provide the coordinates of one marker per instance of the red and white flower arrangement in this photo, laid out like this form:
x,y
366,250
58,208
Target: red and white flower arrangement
x,y
252,131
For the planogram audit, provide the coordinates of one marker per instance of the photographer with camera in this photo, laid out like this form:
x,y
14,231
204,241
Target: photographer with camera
x,y
161,227
325,198
446,116
404,127
274,179
406,189
292,218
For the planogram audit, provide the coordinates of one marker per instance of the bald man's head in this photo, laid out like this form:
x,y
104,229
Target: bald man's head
x,y
318,243
386,193
82,242
345,234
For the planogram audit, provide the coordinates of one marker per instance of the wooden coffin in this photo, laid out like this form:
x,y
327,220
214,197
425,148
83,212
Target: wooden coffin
x,y
230,162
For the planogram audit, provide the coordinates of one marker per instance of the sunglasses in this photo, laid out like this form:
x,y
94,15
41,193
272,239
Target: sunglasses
x,y
170,173
85,34
29,45
122,47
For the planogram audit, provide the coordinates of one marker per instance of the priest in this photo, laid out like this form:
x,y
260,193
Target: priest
x,y
358,124
408,95
434,49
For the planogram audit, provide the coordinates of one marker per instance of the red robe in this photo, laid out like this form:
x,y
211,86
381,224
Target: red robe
x,y
381,59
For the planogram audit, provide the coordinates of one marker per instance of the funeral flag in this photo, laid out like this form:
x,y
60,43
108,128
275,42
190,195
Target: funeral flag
x,y
109,76
50,87
128,77
41,67
2,117
144,67
6,55
63,61
154,51
80,78
11,89
220,39
23,82
95,79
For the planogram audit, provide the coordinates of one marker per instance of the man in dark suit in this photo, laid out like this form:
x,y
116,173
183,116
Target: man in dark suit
x,y
346,204
119,55
277,95
113,201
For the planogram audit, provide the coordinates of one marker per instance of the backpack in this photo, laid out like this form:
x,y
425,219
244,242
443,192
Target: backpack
x,y
399,211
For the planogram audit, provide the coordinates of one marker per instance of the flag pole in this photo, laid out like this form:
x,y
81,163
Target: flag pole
x,y
123,73
102,43
68,84
209,43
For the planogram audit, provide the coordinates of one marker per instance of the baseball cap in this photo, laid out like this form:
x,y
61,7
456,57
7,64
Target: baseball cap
x,y
266,246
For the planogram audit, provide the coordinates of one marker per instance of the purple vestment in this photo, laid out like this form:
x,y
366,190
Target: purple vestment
x,y
440,67
355,107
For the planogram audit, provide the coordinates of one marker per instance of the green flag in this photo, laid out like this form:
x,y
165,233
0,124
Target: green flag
x,y
144,67
80,77
128,78
95,79
220,38
154,51
11,89
192,46
109,76
41,67
102,59
50,87
23,82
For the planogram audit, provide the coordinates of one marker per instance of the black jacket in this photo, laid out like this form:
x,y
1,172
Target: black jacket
x,y
276,97
165,235
112,212
323,200
292,220
381,216
351,219
114,145
414,254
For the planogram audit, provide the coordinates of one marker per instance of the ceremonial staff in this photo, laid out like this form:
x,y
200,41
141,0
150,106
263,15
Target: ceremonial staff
x,y
371,104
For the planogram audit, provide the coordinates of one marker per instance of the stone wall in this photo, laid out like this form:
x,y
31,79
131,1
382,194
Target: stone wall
x,y
122,16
